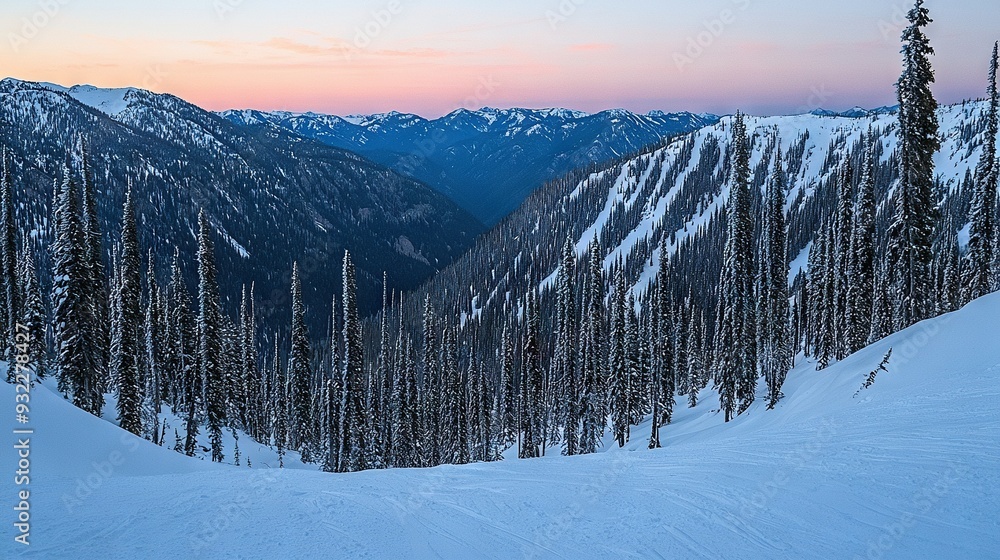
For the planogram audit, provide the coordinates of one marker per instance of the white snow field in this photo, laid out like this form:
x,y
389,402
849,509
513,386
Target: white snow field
x,y
909,469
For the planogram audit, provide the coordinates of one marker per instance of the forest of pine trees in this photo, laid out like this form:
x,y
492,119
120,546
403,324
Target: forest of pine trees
x,y
588,355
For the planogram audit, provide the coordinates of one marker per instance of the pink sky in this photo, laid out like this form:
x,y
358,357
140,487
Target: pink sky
x,y
430,58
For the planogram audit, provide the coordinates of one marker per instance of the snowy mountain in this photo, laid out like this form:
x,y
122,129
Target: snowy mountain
x,y
906,469
680,191
272,196
489,160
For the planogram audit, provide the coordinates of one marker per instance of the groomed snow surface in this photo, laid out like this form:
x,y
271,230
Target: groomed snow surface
x,y
909,469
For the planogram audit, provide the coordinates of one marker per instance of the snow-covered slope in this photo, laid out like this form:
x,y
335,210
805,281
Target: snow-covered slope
x,y
681,190
909,469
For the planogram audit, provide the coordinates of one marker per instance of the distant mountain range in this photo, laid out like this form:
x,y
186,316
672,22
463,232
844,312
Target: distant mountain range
x,y
272,196
856,112
488,161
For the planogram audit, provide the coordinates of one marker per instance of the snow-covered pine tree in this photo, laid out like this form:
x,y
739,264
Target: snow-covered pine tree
x,y
405,408
125,346
776,344
454,417
300,373
619,360
842,232
152,354
382,383
861,288
507,407
33,311
635,366
662,374
735,367
815,269
910,233
280,399
826,345
431,404
11,292
949,261
250,409
696,362
567,340
979,260
97,280
531,386
210,337
183,358
355,454
881,304
595,358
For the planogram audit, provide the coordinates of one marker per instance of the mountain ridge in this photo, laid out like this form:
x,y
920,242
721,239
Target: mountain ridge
x,y
487,160
273,197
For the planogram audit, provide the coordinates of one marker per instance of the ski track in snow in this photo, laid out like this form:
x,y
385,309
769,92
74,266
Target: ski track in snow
x,y
906,469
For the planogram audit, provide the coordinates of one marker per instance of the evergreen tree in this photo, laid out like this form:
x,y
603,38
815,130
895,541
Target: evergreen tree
x,y
776,344
382,381
843,230
210,337
125,346
696,363
76,360
595,359
915,211
982,251
949,262
881,305
299,371
431,409
567,340
619,361
251,408
355,454
735,366
97,280
11,292
662,375
507,408
33,312
862,267
826,345
280,399
455,418
152,355
532,379
405,408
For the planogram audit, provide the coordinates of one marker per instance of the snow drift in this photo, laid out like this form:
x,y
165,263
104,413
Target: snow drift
x,y
908,468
